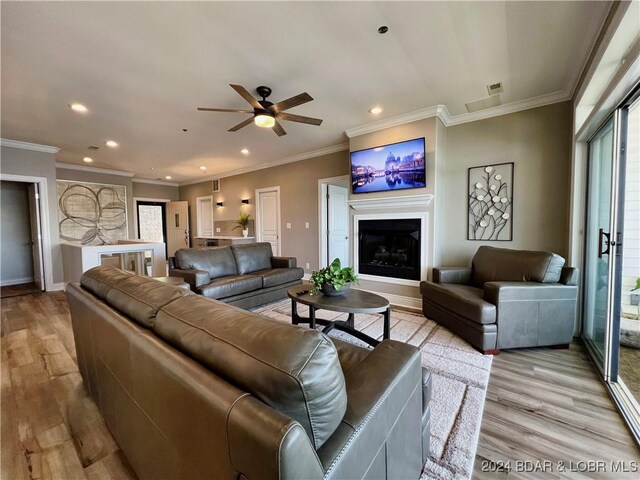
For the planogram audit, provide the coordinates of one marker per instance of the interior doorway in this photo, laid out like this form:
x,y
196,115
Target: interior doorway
x,y
333,215
22,263
268,217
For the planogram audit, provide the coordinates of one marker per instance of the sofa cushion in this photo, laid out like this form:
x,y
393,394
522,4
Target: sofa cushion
x,y
492,264
294,370
232,285
99,280
139,298
218,261
252,257
464,300
278,276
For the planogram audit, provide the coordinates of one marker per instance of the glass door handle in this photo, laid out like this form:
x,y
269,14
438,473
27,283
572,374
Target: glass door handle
x,y
603,241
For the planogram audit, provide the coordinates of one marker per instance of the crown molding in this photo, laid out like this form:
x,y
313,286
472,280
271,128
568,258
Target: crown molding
x,y
513,107
5,142
154,182
83,168
294,158
397,120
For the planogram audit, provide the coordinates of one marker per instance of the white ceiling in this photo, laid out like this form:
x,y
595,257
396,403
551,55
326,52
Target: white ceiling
x,y
142,68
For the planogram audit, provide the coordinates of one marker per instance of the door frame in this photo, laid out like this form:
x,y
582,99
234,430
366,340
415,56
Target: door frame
x,y
323,217
135,211
45,225
258,192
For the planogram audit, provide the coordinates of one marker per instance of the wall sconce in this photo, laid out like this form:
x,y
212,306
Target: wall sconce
x,y
245,201
220,204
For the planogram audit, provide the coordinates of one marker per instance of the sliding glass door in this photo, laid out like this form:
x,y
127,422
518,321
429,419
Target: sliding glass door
x,y
611,325
598,249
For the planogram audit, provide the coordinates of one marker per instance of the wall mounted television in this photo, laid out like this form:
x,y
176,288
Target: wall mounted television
x,y
397,166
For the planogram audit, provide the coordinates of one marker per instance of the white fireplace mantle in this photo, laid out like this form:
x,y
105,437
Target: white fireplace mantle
x,y
418,201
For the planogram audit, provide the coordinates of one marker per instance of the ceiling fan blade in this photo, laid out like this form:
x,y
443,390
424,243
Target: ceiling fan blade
x,y
241,125
291,102
299,118
278,129
244,93
205,109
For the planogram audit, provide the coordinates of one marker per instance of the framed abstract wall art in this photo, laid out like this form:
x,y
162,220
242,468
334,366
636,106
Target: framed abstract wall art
x,y
91,213
490,202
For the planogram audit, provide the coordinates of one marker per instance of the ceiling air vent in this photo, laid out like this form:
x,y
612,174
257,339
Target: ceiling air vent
x,y
495,88
487,102
215,185
93,147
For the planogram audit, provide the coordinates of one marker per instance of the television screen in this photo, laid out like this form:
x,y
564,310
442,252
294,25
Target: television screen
x,y
398,166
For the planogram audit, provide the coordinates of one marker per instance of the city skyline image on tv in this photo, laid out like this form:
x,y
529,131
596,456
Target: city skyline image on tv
x,y
397,166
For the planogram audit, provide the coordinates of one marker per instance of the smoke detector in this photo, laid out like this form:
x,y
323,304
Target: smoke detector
x,y
495,88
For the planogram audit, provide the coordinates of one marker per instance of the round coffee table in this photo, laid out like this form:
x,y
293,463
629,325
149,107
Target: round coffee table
x,y
351,302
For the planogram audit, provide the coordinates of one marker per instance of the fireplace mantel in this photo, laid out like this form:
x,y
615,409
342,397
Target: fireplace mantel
x,y
418,201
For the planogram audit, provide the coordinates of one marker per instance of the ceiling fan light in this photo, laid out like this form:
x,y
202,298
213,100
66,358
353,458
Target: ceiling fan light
x,y
265,121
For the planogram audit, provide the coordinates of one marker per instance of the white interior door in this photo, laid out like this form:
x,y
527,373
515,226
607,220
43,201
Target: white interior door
x,y
36,235
177,226
338,224
268,217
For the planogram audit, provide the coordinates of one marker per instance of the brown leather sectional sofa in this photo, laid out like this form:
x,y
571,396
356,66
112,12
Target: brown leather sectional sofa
x,y
245,275
193,388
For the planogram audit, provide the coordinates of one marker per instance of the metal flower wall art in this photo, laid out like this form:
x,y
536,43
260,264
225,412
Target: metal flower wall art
x,y
91,213
490,211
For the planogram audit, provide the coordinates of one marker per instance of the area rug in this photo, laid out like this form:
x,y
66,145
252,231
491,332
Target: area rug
x,y
460,378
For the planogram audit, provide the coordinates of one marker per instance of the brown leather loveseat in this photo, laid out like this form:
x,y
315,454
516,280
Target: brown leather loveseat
x,y
193,388
245,275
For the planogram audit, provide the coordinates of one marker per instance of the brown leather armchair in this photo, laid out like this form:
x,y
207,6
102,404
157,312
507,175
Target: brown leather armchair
x,y
506,299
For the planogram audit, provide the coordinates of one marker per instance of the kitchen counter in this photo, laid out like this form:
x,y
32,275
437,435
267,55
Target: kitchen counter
x,y
223,240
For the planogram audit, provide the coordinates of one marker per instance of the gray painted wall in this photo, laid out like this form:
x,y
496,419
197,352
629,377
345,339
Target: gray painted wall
x,y
149,190
298,200
538,141
17,161
16,260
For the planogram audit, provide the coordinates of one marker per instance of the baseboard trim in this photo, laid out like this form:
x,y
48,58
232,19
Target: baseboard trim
x,y
16,281
400,300
56,287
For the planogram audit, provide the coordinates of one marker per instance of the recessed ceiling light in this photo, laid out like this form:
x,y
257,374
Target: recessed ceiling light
x,y
203,168
111,143
168,177
78,107
375,110
244,151
87,159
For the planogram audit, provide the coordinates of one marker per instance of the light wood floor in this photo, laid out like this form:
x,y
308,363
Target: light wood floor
x,y
541,405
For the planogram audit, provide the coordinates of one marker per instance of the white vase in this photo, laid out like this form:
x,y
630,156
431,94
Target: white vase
x,y
245,232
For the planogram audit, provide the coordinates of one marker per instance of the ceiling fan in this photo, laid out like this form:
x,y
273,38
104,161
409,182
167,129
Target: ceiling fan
x,y
265,113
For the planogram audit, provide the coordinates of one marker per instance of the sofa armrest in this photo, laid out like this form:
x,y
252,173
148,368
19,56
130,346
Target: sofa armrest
x,y
496,292
195,278
266,444
459,275
569,276
284,262
384,389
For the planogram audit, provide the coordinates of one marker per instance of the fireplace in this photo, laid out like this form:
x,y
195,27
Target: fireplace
x,y
390,248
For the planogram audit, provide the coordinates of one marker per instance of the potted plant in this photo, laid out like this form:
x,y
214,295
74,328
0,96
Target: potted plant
x,y
333,280
243,223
